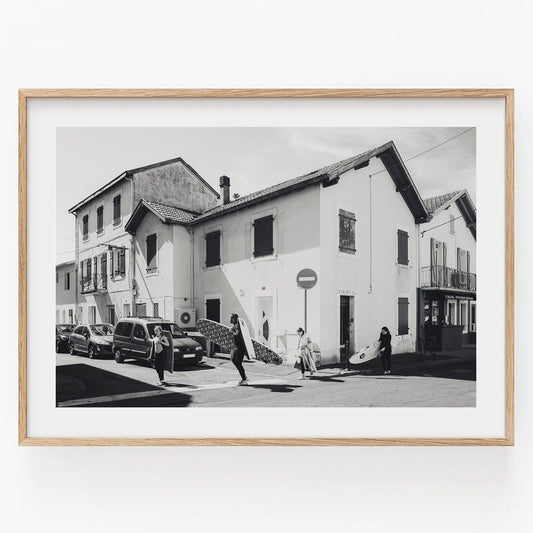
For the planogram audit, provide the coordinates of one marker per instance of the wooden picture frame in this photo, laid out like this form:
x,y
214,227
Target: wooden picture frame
x,y
505,95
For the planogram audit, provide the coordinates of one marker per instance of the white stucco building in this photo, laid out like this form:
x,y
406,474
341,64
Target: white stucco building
x,y
171,246
66,293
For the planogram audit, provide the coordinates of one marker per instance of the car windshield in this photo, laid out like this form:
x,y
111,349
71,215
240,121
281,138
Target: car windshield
x,y
65,329
174,329
102,330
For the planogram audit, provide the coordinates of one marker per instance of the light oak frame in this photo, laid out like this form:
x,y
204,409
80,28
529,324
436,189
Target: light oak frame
x,y
506,94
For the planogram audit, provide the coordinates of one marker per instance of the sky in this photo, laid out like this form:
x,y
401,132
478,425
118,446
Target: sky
x,y
253,158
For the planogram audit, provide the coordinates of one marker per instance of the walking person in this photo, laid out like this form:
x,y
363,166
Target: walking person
x,y
304,354
239,350
158,354
385,349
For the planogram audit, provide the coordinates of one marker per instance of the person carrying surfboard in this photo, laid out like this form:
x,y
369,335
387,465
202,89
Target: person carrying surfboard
x,y
239,350
385,348
158,354
304,354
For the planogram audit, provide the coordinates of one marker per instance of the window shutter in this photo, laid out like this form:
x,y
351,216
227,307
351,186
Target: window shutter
x,y
122,261
263,236
403,316
151,250
403,247
111,269
103,259
212,249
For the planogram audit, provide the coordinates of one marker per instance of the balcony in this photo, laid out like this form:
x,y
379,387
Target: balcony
x,y
94,283
439,277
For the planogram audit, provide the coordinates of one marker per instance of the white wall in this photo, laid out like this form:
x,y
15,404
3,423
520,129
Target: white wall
x,y
338,44
375,286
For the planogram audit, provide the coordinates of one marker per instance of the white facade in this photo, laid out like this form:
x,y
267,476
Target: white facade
x,y
66,293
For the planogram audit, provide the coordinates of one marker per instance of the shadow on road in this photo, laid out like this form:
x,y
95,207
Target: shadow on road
x,y
84,382
276,387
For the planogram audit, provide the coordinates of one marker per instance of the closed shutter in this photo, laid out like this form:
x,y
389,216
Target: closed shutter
x,y
122,261
212,249
151,251
111,269
263,236
403,247
103,258
403,316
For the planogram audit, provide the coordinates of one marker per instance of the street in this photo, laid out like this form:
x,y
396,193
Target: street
x,y
438,381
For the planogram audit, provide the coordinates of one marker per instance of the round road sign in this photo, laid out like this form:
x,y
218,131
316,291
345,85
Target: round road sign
x,y
306,278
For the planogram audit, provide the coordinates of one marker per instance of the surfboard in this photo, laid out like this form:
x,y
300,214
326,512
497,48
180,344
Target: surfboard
x,y
169,351
221,334
247,339
366,354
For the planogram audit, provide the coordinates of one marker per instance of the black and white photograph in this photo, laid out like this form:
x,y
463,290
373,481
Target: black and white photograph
x,y
265,267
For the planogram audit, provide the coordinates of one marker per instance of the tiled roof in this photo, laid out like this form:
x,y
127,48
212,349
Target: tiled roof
x,y
285,186
170,214
436,202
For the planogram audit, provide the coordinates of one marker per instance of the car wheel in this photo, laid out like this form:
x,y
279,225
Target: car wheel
x,y
118,355
92,352
71,349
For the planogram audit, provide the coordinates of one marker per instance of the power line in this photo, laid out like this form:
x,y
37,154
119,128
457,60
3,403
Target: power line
x,y
429,149
443,224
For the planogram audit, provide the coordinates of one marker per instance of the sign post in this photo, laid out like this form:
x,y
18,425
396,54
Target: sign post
x,y
306,279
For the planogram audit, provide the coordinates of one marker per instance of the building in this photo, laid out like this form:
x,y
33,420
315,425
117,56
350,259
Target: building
x,y
448,272
65,293
353,223
105,252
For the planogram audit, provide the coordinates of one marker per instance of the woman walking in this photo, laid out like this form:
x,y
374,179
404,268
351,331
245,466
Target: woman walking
x,y
158,354
385,349
304,354
239,350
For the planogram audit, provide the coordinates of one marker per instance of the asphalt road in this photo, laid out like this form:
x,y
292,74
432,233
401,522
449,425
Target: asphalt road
x,y
82,382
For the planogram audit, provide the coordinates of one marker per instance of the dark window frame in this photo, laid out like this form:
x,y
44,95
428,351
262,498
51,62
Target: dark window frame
x,y
212,248
403,320
346,220
85,227
402,247
263,241
151,262
67,281
100,220
117,210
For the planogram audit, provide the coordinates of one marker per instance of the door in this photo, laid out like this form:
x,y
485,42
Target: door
x,y
212,312
84,340
140,346
264,320
344,327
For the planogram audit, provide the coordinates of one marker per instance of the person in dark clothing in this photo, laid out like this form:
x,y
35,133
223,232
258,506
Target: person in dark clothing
x,y
385,349
158,355
239,350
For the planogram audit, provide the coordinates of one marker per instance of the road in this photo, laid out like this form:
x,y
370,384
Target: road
x,y
82,382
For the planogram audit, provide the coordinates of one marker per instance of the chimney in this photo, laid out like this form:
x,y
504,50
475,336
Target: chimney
x,y
224,189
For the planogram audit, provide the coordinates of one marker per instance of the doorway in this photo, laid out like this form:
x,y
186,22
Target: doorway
x,y
212,312
346,333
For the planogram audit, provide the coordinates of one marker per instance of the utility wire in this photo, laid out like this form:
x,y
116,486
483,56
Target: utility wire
x,y
429,149
443,224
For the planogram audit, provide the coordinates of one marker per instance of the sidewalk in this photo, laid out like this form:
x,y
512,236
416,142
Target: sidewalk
x,y
400,362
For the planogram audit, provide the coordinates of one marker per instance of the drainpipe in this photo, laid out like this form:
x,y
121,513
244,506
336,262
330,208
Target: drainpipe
x,y
132,251
76,279
191,283
370,234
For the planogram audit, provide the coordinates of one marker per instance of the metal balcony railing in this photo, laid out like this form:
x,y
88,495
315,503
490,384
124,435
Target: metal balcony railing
x,y
93,283
440,277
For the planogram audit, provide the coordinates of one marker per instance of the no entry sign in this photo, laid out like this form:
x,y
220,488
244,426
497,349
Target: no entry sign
x,y
306,278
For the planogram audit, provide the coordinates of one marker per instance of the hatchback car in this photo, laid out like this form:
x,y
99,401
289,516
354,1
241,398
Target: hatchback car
x,y
133,340
63,332
93,339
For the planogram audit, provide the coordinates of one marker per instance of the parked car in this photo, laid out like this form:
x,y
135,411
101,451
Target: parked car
x,y
63,332
132,340
92,339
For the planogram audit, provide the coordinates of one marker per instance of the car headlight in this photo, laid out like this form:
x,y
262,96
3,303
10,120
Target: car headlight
x,y
198,348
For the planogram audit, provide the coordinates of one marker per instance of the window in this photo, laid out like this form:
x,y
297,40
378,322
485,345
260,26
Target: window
x,y
151,253
403,316
452,224
116,210
71,316
347,232
124,329
78,330
100,220
156,309
85,227
212,249
263,236
403,247
117,258
140,309
67,281
111,313
139,333
126,310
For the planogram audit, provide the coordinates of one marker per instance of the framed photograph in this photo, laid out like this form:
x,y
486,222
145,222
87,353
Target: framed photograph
x,y
266,267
